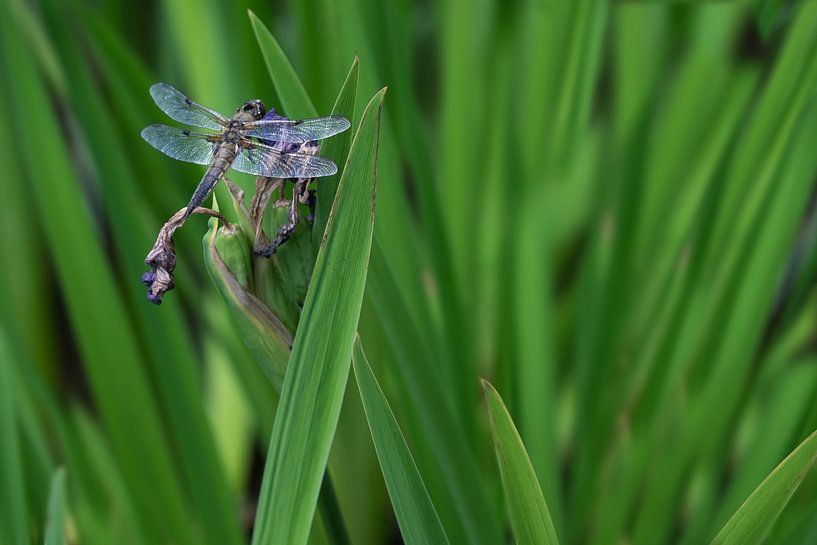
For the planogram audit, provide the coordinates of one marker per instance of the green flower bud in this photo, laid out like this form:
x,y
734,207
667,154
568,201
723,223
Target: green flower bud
x,y
228,255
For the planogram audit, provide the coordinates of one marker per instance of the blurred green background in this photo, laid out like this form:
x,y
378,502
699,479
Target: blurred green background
x,y
607,209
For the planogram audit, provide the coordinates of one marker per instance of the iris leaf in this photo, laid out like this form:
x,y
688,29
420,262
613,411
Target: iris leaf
x,y
318,368
755,518
526,505
416,515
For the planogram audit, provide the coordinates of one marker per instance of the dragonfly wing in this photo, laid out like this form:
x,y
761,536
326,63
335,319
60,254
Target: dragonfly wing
x,y
263,160
184,110
181,144
297,131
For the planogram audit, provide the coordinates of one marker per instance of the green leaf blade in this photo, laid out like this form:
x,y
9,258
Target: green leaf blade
x,y
55,527
294,98
416,515
94,304
318,368
336,149
754,519
529,514
12,492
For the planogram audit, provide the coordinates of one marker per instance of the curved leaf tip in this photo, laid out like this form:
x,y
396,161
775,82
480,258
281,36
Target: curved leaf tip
x,y
529,514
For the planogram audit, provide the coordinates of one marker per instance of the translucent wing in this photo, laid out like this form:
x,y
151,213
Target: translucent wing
x,y
181,144
296,131
184,110
263,160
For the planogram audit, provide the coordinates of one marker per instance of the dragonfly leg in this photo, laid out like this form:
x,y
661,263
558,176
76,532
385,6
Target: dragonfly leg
x,y
308,198
286,230
264,188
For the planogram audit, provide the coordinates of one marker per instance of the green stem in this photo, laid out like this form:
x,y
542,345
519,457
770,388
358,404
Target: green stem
x,y
330,512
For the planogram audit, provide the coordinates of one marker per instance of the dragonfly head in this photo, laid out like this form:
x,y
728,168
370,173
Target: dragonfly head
x,y
254,108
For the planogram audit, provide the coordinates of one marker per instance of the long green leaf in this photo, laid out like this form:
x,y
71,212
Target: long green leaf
x,y
526,504
291,92
102,492
106,338
55,526
755,518
36,458
416,515
453,474
168,341
12,493
318,368
337,149
22,287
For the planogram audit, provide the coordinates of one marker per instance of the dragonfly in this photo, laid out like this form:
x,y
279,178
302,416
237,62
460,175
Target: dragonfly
x,y
246,142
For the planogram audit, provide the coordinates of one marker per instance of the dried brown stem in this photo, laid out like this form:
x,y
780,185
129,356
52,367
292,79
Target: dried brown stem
x,y
162,257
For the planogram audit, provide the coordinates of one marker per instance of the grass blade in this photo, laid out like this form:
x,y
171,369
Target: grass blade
x,y
418,520
526,505
318,368
753,520
55,526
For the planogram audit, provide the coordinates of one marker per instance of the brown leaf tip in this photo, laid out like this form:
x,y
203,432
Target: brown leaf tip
x,y
162,259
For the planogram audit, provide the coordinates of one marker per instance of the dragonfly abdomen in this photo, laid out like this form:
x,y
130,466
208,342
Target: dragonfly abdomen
x,y
223,157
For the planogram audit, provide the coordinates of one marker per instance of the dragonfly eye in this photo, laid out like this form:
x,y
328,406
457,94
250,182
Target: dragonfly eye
x,y
254,108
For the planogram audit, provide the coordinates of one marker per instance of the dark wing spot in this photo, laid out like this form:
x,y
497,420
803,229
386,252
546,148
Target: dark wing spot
x,y
188,101
186,132
298,122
